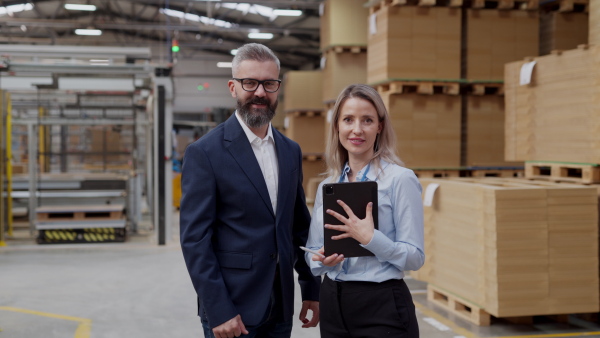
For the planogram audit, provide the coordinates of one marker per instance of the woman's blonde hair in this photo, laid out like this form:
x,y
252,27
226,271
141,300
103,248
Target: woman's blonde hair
x,y
385,144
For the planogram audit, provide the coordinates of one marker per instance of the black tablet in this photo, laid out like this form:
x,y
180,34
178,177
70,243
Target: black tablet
x,y
356,195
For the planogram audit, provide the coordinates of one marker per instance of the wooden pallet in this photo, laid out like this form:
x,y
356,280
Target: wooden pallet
x,y
313,156
490,88
419,87
436,173
306,113
457,306
565,172
79,212
494,172
506,4
347,49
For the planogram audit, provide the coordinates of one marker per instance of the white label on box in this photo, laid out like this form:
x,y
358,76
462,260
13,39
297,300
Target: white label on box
x,y
323,62
526,72
373,24
429,193
322,9
329,115
286,122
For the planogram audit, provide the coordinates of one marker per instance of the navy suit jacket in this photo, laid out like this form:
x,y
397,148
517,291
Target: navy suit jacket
x,y
230,236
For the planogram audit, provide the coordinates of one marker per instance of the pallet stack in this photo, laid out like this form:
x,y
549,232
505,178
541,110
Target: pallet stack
x,y
305,119
511,248
414,63
440,70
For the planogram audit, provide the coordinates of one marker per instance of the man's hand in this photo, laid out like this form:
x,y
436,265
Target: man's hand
x,y
231,328
314,307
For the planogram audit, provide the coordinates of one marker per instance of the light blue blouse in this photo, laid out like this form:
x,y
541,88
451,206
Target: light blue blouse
x,y
397,244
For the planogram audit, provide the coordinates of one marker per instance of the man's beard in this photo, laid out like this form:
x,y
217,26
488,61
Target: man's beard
x,y
256,117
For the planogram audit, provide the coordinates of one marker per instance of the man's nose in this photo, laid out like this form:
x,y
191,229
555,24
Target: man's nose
x,y
260,91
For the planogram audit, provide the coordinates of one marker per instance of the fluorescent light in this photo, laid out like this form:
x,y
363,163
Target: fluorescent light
x,y
78,7
233,51
15,8
88,32
224,64
287,12
260,35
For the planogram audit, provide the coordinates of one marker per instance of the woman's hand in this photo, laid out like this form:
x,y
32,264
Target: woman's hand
x,y
360,229
330,261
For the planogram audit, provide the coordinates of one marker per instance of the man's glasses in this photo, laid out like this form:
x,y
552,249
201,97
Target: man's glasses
x,y
250,85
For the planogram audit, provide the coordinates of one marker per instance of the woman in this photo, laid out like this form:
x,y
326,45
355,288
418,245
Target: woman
x,y
367,296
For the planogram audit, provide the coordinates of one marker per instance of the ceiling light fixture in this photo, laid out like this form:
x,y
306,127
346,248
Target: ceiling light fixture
x,y
264,36
287,12
233,51
224,64
15,9
93,32
79,7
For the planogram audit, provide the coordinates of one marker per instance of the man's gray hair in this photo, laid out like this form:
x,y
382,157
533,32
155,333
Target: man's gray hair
x,y
253,52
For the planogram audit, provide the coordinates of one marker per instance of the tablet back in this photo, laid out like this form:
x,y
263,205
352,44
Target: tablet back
x,y
356,195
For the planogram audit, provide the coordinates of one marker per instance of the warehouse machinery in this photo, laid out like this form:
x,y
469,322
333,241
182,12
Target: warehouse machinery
x,y
84,127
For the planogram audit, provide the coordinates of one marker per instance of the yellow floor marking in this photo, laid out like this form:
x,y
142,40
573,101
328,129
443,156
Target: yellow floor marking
x,y
571,334
83,330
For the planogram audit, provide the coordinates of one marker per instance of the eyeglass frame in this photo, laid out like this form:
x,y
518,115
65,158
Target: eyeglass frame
x,y
241,81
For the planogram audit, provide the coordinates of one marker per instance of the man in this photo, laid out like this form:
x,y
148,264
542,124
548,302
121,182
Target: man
x,y
243,213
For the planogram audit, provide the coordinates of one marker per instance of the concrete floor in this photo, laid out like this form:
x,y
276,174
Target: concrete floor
x,y
139,289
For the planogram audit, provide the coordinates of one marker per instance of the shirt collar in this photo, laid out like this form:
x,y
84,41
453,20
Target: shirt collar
x,y
250,135
372,175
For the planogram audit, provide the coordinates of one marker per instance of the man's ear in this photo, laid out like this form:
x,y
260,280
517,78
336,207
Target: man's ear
x,y
231,85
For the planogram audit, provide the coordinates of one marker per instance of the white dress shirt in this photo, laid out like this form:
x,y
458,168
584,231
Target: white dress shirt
x,y
264,150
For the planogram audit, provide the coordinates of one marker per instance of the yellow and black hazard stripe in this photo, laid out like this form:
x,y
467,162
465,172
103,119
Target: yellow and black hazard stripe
x,y
91,235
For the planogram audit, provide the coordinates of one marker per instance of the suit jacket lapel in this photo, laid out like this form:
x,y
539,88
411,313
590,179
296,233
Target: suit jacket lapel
x,y
284,160
239,147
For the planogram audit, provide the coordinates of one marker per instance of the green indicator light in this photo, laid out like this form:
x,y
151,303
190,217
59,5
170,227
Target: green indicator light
x,y
200,87
175,49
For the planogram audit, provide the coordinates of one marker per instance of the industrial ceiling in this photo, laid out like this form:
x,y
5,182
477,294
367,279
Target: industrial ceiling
x,y
202,29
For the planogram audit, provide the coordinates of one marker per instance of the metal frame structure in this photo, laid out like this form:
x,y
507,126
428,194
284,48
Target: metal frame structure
x,y
123,65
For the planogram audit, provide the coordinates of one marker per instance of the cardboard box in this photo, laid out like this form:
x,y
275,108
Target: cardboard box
x,y
594,23
343,23
312,167
342,69
428,128
485,131
512,247
411,42
562,31
557,116
495,37
308,130
302,91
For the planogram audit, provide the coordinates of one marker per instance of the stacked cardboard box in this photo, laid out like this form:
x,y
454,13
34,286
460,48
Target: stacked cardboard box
x,y
343,23
495,37
485,131
557,116
594,23
427,128
411,42
342,67
305,118
302,91
562,31
514,248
